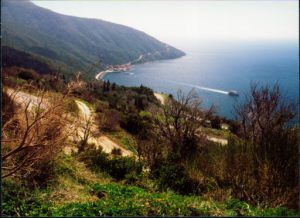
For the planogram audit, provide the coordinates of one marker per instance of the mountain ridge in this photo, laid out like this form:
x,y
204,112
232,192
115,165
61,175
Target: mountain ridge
x,y
77,42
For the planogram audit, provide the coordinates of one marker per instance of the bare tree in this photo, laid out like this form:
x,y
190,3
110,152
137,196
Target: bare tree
x,y
264,117
35,132
270,146
85,130
181,121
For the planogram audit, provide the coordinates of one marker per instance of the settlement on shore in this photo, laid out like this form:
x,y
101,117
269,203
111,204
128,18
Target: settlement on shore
x,y
111,69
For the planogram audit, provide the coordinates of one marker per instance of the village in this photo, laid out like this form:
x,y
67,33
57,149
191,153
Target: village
x,y
119,68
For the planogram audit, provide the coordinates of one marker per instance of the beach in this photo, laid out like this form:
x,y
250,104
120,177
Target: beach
x,y
101,74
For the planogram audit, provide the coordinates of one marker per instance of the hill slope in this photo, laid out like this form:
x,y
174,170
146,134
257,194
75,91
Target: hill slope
x,y
13,57
77,42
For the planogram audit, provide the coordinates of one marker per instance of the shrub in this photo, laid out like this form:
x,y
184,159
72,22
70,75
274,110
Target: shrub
x,y
175,177
271,147
72,107
117,166
20,201
35,133
109,121
116,151
138,124
8,108
216,122
28,74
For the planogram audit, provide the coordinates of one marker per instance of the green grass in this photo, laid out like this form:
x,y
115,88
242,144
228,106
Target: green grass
x,y
125,139
113,199
77,191
216,132
17,81
119,200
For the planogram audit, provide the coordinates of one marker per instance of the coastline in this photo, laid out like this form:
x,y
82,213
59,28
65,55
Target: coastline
x,y
101,74
161,97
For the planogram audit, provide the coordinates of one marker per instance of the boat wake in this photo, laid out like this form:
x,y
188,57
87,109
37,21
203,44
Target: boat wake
x,y
203,88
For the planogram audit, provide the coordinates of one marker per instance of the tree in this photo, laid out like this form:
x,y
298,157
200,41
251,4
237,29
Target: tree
x,y
109,120
85,131
264,116
270,145
113,86
108,86
180,124
104,86
216,122
35,131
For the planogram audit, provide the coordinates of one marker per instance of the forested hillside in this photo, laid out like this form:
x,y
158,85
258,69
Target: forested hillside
x,y
76,42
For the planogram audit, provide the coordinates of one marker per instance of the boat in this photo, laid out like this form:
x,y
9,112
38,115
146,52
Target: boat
x,y
233,93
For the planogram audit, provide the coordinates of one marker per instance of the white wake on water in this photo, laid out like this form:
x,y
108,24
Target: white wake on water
x,y
203,88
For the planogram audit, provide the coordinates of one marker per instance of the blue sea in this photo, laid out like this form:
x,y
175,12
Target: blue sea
x,y
214,68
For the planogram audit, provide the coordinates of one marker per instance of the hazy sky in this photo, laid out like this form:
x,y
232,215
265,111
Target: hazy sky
x,y
184,20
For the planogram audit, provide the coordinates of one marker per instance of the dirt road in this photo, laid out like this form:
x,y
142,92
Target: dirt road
x,y
86,113
160,97
103,141
84,109
218,140
24,98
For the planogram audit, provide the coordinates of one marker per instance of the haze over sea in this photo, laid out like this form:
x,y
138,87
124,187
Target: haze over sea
x,y
214,68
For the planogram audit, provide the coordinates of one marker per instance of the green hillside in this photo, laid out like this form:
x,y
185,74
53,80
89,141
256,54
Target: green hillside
x,y
76,42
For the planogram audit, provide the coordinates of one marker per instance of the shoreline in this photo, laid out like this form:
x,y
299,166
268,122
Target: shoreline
x,y
160,96
101,74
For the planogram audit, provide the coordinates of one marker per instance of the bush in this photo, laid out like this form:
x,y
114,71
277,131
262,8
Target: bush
x,y
20,201
72,107
8,107
131,123
118,167
216,122
28,74
35,135
109,121
271,148
138,124
116,151
120,200
174,177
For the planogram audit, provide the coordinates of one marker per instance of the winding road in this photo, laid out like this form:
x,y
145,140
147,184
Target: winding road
x,y
86,114
99,141
23,98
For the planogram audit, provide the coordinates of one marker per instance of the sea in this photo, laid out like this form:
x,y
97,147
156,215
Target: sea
x,y
212,69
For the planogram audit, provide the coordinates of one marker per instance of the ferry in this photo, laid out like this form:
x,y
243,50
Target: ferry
x,y
233,93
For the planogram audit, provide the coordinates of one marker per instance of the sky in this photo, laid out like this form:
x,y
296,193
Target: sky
x,y
179,21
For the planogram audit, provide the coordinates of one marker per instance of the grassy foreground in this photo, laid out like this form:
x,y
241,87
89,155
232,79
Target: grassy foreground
x,y
77,191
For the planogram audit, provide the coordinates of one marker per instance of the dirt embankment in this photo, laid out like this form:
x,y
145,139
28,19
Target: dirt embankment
x,y
99,141
86,115
160,97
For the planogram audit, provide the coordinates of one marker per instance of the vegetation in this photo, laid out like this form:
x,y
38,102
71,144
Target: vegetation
x,y
33,138
12,57
78,43
118,167
114,199
175,169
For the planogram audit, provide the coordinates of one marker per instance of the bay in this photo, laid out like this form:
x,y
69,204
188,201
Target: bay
x,y
214,68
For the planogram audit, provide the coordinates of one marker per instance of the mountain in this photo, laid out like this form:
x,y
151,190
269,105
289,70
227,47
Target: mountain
x,y
12,57
76,42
